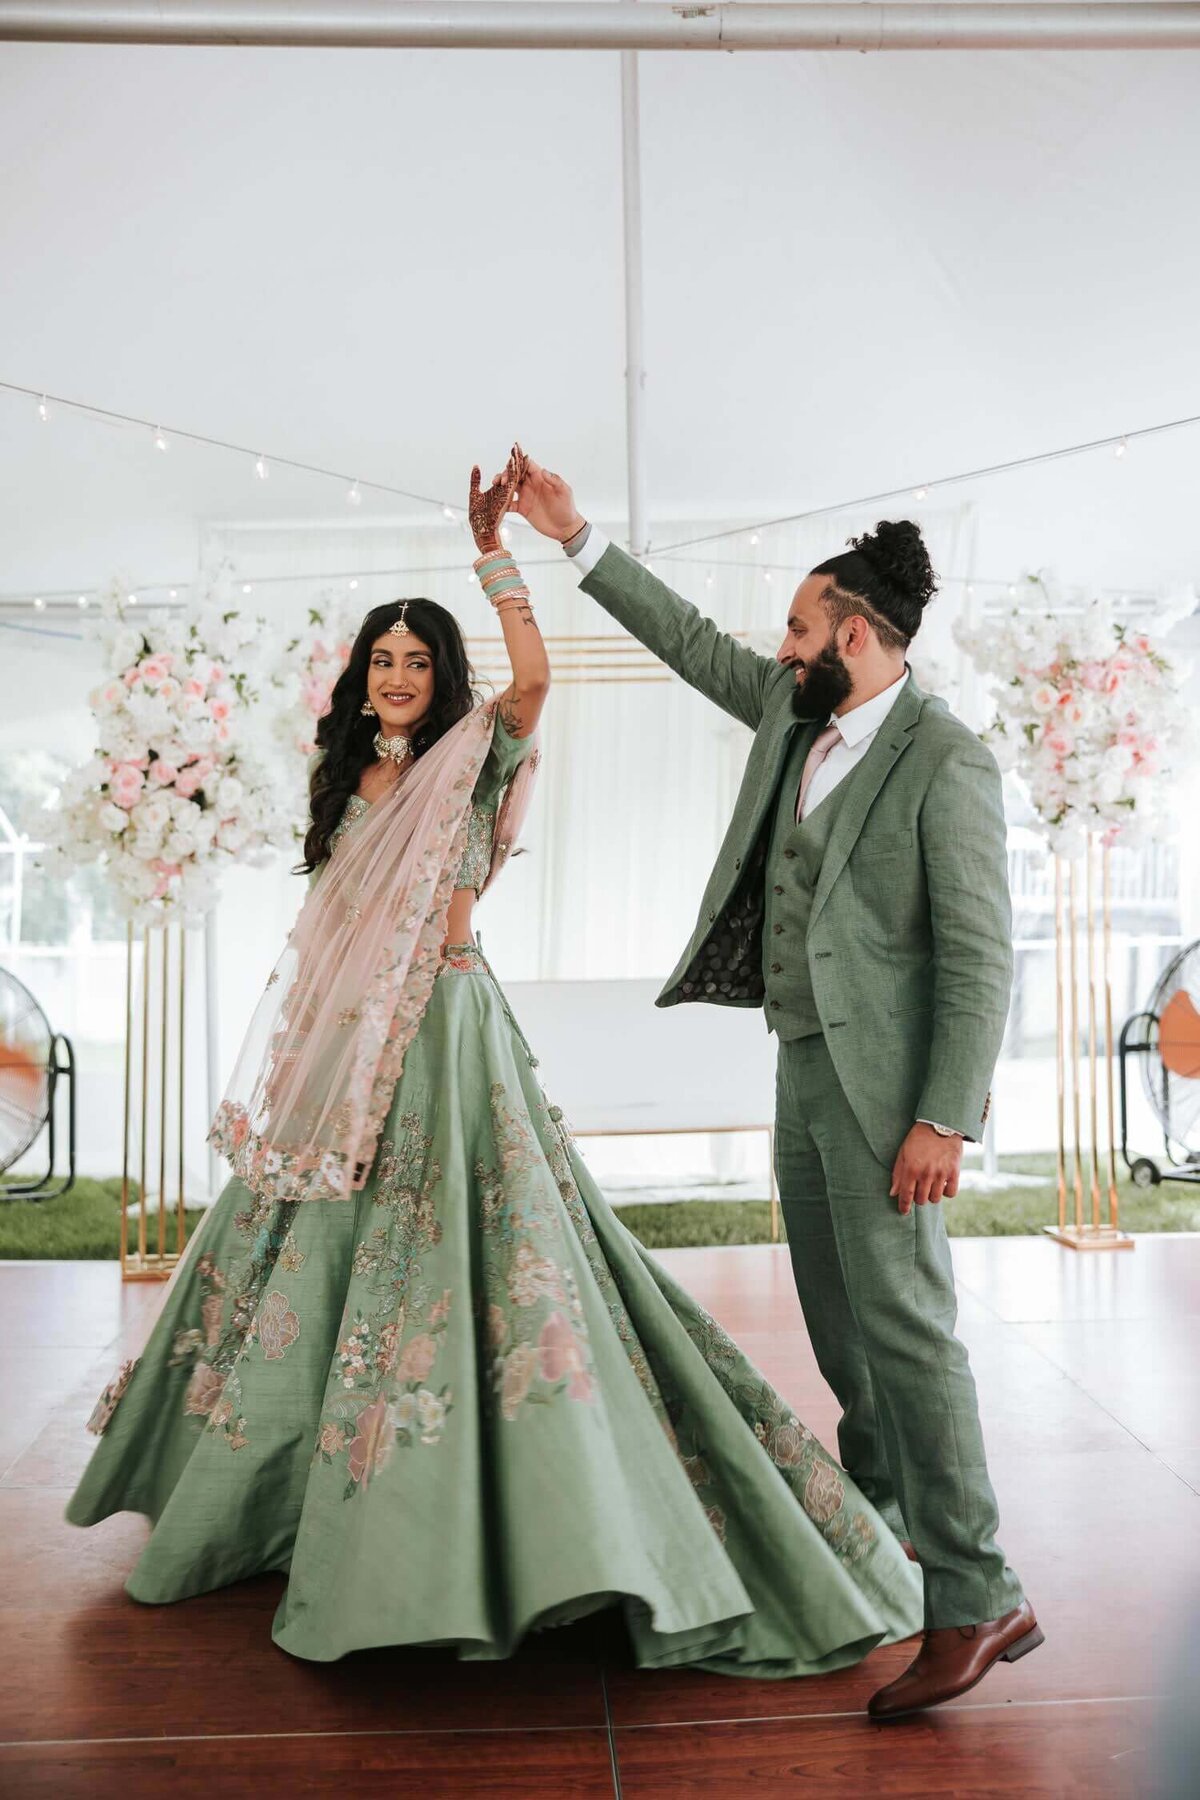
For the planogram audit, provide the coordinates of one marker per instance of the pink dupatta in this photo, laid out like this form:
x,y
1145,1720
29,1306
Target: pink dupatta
x,y
315,1077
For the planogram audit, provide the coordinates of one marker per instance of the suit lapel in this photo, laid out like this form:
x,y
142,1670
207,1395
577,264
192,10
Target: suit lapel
x,y
895,735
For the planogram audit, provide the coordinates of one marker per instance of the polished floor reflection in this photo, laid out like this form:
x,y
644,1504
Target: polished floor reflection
x,y
1089,1374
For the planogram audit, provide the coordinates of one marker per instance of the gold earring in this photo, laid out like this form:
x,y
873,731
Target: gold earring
x,y
367,710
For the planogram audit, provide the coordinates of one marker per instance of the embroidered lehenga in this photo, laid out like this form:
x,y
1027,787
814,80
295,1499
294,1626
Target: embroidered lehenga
x,y
455,1401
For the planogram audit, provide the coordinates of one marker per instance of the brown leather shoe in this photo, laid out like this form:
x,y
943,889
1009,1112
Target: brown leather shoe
x,y
951,1661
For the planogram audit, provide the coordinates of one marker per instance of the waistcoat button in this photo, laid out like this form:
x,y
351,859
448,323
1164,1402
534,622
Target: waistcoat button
x,y
777,968
777,930
775,1006
778,889
790,854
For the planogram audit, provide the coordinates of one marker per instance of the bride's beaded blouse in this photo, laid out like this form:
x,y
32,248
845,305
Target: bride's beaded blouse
x,y
504,758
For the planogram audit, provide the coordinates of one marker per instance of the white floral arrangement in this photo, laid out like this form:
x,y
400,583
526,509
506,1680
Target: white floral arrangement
x,y
315,658
300,687
1089,714
176,789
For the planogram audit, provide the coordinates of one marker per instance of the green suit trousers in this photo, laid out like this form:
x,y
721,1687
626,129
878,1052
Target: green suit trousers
x,y
877,1291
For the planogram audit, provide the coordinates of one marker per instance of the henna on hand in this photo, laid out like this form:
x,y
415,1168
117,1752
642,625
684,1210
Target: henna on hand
x,y
486,507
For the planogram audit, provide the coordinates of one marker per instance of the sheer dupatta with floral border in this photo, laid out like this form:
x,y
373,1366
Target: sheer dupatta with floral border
x,y
314,1080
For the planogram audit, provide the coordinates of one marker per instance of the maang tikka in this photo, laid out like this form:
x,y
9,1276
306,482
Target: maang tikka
x,y
400,628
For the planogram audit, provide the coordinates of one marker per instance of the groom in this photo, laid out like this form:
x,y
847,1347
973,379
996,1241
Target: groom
x,y
861,898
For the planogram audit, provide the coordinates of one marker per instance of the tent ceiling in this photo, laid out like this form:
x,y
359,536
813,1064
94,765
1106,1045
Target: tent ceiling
x,y
859,272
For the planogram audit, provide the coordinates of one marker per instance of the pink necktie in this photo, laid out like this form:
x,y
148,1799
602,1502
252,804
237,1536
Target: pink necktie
x,y
822,744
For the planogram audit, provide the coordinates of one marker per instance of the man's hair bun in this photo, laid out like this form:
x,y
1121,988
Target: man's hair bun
x,y
896,551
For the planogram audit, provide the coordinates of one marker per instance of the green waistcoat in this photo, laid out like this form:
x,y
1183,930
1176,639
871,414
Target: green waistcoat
x,y
793,870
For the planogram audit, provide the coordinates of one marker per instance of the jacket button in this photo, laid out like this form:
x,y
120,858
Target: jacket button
x,y
777,929
774,1006
790,854
711,917
737,862
776,969
778,889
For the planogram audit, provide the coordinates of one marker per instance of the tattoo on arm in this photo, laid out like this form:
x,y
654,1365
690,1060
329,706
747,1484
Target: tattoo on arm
x,y
510,717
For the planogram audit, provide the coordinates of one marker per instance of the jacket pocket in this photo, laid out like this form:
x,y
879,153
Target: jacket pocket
x,y
883,843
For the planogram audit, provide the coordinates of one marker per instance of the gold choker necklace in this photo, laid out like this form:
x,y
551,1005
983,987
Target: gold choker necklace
x,y
393,749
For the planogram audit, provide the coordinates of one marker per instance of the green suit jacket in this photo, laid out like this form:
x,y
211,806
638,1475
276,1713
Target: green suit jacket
x,y
910,934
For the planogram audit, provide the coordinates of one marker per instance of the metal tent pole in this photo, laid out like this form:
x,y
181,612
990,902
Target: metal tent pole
x,y
606,25
635,373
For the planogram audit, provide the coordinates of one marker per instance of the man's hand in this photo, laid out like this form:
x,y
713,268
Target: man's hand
x,y
927,1168
548,503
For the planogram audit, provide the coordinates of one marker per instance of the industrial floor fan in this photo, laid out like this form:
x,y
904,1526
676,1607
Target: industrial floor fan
x,y
33,1060
1167,1038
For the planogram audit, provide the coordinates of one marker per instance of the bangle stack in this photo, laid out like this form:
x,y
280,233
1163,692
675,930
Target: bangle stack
x,y
501,580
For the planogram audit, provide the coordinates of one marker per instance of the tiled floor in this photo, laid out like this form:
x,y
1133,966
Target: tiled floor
x,y
1089,1375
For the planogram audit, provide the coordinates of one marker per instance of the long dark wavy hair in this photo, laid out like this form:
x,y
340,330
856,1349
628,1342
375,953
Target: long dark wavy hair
x,y
346,739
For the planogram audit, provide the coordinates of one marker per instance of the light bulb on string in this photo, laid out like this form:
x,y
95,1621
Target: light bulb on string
x,y
1012,592
448,512
39,603
354,495
1121,448
709,579
43,410
174,593
82,601
767,575
160,442
247,588
260,468
920,493
754,537
133,599
353,585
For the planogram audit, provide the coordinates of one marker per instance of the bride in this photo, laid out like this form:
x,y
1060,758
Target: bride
x,y
412,1360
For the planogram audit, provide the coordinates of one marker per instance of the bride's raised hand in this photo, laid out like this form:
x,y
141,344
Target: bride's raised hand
x,y
487,506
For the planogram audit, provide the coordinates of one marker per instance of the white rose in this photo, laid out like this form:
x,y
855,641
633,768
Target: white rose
x,y
113,818
230,794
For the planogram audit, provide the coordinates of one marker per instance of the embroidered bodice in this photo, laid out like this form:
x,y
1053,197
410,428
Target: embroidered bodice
x,y
504,758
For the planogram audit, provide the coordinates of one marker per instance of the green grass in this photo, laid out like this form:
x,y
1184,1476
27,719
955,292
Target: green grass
x,y
1006,1212
83,1224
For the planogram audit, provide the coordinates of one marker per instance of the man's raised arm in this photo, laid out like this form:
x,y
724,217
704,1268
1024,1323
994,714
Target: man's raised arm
x,y
708,659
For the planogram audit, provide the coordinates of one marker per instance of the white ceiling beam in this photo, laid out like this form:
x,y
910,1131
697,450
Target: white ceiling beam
x,y
605,25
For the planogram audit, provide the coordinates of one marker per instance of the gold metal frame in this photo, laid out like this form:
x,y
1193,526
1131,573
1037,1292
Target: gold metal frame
x,y
162,1083
699,1131
1098,1233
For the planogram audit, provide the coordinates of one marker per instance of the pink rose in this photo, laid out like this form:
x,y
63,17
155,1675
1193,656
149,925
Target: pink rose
x,y
193,688
155,668
125,785
131,677
219,709
163,772
1059,743
187,783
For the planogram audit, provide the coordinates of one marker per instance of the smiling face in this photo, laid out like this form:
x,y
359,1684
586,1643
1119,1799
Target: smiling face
x,y
811,648
400,682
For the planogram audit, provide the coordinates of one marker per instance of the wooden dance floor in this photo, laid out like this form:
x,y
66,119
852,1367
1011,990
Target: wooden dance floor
x,y
1088,1372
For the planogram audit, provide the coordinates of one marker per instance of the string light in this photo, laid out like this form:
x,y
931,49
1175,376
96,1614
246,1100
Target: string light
x,y
920,493
353,585
754,537
246,588
82,600
174,593
133,599
39,604
767,575
1121,448
160,442
448,512
354,495
43,410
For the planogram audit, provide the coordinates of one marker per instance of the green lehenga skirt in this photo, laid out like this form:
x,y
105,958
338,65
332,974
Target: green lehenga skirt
x,y
465,1403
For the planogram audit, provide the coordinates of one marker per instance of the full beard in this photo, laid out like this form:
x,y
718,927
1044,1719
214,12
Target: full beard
x,y
826,686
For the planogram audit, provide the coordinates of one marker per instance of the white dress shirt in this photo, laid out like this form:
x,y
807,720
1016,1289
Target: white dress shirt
x,y
857,731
